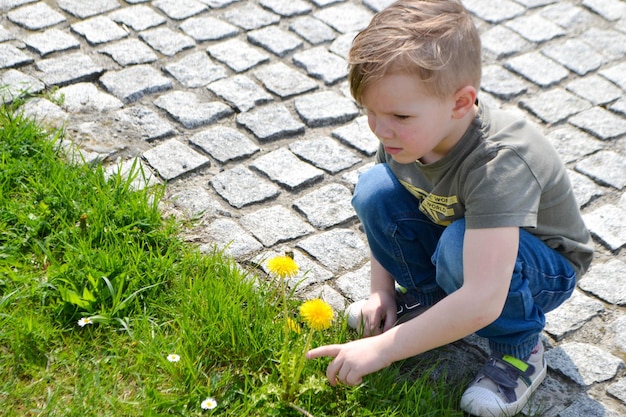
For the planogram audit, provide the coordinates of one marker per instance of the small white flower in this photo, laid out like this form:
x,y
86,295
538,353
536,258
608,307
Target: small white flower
x,y
172,357
84,321
209,404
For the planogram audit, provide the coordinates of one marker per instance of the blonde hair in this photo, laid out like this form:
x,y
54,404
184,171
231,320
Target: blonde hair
x,y
436,40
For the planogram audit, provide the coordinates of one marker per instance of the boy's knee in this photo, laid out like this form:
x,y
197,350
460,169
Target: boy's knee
x,y
374,185
448,257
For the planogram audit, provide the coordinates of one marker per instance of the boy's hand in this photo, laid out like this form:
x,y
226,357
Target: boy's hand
x,y
378,313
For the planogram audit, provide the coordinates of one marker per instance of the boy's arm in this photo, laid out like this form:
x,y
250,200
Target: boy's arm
x,y
489,257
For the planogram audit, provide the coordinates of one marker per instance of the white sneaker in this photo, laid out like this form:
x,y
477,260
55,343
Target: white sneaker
x,y
504,385
353,314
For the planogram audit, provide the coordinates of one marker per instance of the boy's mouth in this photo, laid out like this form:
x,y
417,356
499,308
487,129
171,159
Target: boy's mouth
x,y
391,150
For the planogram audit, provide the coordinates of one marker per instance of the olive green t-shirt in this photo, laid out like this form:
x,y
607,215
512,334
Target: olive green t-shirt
x,y
502,173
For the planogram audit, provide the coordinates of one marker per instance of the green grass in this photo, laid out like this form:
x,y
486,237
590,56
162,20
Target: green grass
x,y
74,244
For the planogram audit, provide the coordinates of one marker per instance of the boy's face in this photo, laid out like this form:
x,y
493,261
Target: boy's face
x,y
411,124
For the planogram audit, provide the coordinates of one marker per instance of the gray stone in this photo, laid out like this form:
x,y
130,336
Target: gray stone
x,y
499,42
99,29
325,108
329,295
241,187
10,4
87,98
196,70
608,9
618,389
619,330
274,225
167,41
345,17
572,315
325,153
208,28
337,249
327,206
238,55
172,159
610,43
555,105
187,109
84,9
96,139
502,83
312,30
355,285
494,12
606,280
143,123
15,83
284,81
286,169
531,4
537,68
196,201
5,35
217,4
535,28
323,3
322,64
135,82
619,106
45,112
572,144
567,15
352,177
287,8
250,16
11,57
138,17
36,17
180,9
358,135
240,91
275,40
600,123
584,189
271,122
129,52
230,238
576,55
616,73
52,40
595,89
342,44
588,407
68,69
585,364
606,167
134,170
224,144
377,5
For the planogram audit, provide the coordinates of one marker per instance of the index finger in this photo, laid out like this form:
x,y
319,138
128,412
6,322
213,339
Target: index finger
x,y
328,350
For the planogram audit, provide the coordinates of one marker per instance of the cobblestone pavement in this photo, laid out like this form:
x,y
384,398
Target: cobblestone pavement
x,y
242,107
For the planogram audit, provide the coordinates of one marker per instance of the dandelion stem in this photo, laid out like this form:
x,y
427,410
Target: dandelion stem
x,y
301,410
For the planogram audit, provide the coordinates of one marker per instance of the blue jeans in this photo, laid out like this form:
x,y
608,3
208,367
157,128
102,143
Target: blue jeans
x,y
426,259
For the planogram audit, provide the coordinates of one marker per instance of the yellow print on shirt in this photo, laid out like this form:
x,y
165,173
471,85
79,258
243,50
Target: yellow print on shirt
x,y
440,209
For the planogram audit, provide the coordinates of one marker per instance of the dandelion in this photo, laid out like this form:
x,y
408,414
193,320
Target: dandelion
x,y
283,266
209,404
84,321
317,314
172,357
293,326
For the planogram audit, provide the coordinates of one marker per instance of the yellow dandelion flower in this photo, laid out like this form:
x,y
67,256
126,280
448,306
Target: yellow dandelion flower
x,y
317,314
282,266
293,326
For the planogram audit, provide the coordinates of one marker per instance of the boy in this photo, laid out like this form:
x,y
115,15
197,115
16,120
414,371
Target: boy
x,y
469,211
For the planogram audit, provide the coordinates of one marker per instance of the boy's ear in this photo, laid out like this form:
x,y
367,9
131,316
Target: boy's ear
x,y
464,100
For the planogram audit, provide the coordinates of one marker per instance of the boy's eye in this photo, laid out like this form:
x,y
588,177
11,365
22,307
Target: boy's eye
x,y
401,116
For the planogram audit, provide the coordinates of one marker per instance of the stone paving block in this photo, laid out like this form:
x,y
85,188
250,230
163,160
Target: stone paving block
x,y
99,29
572,315
327,206
284,81
180,9
595,89
141,175
129,52
84,9
325,153
606,280
274,225
537,68
45,112
619,106
352,177
608,9
284,168
98,139
86,98
325,108
555,105
377,5
606,167
576,55
610,43
502,83
172,159
287,8
240,91
329,295
600,122
355,285
218,4
10,4
319,63
585,364
68,69
135,82
342,44
608,224
138,17
15,83
143,123
618,389
249,16
241,187
52,40
588,407
275,40
11,57
208,28
616,74
167,41
230,238
224,143
567,15
584,189
337,249
345,17
572,144
187,109
358,135
5,35
494,12
196,70
531,4
36,16
499,42
312,30
238,55
535,28
196,202
270,122
619,330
